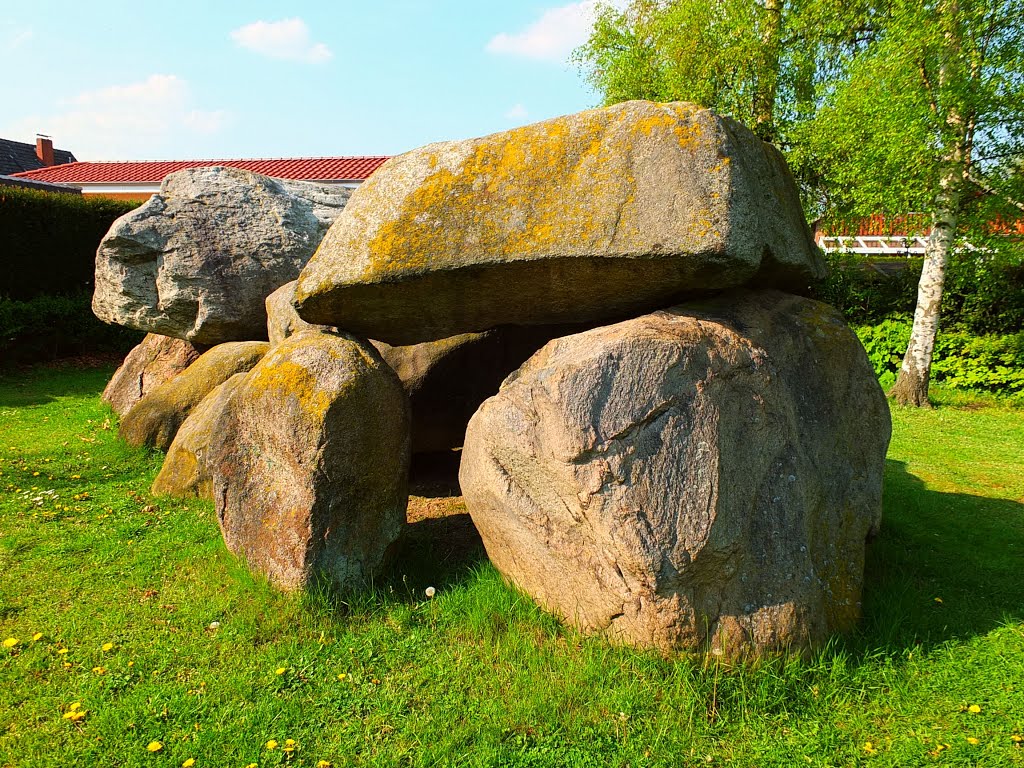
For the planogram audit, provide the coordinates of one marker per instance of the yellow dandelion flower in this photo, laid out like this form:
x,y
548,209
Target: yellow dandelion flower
x,y
289,745
75,712
252,765
99,670
324,764
280,670
66,665
37,637
972,740
271,744
107,647
189,763
10,642
1017,738
974,708
341,676
869,748
154,746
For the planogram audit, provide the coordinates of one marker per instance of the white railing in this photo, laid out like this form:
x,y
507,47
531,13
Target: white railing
x,y
875,245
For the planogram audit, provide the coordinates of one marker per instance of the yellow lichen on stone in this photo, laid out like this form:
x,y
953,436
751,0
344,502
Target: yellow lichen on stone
x,y
286,378
526,191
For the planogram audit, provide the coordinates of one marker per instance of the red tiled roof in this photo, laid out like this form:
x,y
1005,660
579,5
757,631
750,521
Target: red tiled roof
x,y
303,168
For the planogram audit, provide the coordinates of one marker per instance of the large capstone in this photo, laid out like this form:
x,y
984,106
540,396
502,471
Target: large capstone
x,y
703,477
198,259
591,216
155,360
310,460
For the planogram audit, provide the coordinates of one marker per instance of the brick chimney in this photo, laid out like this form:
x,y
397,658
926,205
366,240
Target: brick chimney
x,y
44,149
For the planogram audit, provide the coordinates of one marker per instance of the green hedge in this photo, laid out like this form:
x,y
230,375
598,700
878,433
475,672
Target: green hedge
x,y
51,327
983,294
49,240
962,360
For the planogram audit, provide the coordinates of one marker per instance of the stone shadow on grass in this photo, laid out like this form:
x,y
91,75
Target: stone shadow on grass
x,y
944,566
24,387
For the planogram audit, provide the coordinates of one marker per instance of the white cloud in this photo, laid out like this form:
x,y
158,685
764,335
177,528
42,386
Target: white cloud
x,y
138,120
14,36
287,39
518,112
554,35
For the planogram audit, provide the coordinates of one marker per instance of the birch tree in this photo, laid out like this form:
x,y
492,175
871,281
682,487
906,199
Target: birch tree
x,y
881,106
918,125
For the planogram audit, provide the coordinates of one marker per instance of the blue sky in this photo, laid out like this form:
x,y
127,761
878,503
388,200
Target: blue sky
x,y
189,80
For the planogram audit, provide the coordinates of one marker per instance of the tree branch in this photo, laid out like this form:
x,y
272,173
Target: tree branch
x,y
928,87
986,187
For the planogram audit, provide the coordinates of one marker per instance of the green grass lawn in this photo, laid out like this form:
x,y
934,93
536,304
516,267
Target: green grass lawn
x,y
111,595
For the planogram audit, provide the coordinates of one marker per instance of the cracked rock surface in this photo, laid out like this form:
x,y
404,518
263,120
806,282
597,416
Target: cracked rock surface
x,y
699,478
155,360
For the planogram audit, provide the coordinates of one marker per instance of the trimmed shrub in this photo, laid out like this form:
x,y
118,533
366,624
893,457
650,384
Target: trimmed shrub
x,y
51,327
49,240
962,360
983,294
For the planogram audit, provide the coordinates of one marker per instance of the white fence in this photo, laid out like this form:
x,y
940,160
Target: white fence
x,y
875,245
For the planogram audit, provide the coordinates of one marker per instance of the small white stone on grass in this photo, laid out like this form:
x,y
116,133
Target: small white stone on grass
x,y
214,625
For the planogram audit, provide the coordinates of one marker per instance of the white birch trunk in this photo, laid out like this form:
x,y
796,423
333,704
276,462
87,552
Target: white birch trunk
x,y
911,386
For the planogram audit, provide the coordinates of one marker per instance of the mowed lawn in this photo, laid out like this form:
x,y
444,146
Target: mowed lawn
x,y
136,630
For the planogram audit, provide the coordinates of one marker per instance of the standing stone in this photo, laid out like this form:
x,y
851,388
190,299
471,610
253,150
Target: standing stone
x,y
155,419
155,360
186,471
587,217
198,259
702,477
310,458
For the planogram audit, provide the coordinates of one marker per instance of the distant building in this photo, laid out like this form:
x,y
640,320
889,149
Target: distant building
x,y
139,180
18,157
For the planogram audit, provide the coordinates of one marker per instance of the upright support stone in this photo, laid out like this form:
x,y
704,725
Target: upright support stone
x,y
310,460
155,419
155,360
703,477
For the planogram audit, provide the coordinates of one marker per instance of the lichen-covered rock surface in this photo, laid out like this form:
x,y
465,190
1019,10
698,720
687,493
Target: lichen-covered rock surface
x,y
702,477
185,471
310,460
591,216
155,360
198,259
155,419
